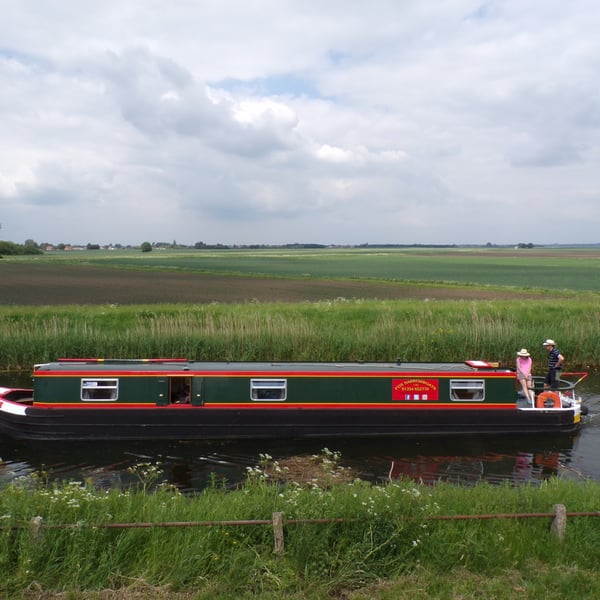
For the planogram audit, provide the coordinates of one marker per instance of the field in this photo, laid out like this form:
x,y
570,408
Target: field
x,y
29,284
329,304
234,276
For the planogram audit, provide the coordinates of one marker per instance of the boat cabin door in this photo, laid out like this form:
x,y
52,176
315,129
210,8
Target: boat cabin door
x,y
180,390
197,390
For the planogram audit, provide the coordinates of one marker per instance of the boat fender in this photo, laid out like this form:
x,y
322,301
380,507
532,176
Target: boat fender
x,y
544,397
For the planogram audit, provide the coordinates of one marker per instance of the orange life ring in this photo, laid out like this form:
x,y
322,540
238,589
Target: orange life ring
x,y
540,401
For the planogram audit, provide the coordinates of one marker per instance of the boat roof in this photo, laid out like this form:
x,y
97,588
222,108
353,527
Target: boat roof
x,y
96,365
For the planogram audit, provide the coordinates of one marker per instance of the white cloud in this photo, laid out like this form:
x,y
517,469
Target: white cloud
x,y
335,155
272,121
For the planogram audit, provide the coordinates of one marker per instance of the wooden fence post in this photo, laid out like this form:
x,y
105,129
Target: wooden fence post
x,y
559,523
35,527
278,532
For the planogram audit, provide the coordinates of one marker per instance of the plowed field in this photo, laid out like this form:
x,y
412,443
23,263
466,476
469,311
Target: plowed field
x,y
43,284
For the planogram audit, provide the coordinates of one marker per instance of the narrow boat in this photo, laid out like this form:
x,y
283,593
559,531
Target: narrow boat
x,y
104,399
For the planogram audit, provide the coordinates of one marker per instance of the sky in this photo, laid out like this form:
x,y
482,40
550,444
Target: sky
x,y
300,121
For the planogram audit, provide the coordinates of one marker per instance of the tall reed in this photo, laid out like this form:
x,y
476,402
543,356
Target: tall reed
x,y
325,331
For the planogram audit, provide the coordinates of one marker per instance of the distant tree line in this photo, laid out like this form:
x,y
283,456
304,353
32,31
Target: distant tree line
x,y
31,247
12,249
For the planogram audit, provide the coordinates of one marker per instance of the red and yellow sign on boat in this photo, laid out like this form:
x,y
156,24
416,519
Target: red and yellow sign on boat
x,y
415,389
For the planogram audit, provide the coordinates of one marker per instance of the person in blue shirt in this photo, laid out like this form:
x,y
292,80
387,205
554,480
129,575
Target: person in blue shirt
x,y
555,363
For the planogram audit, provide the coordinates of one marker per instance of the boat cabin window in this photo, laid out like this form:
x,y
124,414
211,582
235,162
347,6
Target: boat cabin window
x,y
99,389
467,389
268,389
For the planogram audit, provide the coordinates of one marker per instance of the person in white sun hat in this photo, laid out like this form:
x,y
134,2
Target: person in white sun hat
x,y
524,365
555,363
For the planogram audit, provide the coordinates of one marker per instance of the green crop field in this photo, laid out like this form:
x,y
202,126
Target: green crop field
x,y
547,268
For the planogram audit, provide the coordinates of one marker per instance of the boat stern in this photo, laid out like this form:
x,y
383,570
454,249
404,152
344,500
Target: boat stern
x,y
14,401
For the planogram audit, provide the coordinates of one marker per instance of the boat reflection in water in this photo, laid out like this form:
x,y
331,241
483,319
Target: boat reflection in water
x,y
469,461
523,467
191,466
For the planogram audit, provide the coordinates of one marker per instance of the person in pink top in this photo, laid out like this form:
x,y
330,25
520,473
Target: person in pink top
x,y
524,364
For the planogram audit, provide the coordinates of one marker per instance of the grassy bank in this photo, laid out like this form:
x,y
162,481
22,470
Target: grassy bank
x,y
329,331
388,544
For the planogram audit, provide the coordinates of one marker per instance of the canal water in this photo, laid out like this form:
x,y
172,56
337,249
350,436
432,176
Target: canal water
x,y
191,466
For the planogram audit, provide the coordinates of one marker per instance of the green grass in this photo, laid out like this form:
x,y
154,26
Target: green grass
x,y
322,331
389,534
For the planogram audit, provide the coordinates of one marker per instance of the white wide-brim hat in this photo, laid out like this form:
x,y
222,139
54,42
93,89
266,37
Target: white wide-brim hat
x,y
523,352
549,343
